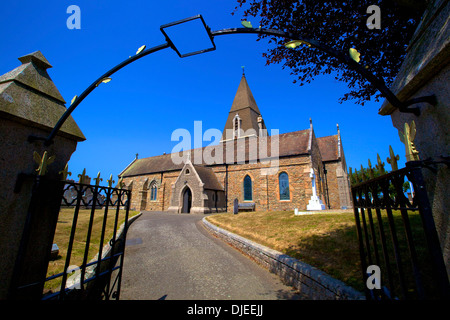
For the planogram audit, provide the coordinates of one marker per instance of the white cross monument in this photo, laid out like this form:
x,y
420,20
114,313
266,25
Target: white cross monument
x,y
315,203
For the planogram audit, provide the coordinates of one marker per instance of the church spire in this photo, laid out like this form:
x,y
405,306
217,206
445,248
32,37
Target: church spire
x,y
244,97
244,113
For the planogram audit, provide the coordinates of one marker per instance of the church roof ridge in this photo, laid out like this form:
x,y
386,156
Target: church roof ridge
x,y
203,165
290,144
331,135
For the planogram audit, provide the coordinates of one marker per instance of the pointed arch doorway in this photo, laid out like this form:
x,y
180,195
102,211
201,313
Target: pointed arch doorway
x,y
187,201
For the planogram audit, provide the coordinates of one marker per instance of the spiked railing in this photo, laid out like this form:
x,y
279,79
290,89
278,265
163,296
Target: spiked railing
x,y
94,277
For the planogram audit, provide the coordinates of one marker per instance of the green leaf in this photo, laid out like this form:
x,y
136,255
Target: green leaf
x,y
354,54
106,80
295,43
246,24
140,49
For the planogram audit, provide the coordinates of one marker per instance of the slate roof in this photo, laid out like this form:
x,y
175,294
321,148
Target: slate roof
x,y
328,147
209,178
244,97
290,144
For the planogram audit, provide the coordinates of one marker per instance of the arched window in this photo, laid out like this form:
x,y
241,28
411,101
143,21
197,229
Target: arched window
x,y
283,182
153,192
248,193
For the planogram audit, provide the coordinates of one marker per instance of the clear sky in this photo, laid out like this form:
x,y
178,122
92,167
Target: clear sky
x,y
146,101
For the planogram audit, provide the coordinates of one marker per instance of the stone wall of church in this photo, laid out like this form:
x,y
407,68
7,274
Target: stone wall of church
x,y
266,192
140,187
140,194
216,201
332,185
339,193
169,179
317,165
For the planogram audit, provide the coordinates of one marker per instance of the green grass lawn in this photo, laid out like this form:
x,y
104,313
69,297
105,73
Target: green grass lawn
x,y
327,241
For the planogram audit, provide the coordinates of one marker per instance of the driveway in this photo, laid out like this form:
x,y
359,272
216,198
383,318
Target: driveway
x,y
171,256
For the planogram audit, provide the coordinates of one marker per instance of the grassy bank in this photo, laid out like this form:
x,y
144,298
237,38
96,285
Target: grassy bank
x,y
327,241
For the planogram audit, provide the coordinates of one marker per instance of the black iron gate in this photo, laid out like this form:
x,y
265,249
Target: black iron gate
x,y
398,236
82,212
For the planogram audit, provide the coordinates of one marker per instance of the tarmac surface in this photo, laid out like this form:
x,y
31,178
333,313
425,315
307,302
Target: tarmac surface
x,y
172,257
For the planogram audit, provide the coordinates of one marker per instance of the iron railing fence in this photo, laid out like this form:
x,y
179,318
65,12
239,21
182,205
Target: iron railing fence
x,y
397,234
94,279
84,212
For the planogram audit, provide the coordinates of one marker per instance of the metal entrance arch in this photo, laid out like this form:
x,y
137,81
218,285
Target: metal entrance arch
x,y
142,52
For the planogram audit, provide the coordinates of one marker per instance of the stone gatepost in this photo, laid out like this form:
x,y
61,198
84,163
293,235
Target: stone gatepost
x,y
426,71
30,105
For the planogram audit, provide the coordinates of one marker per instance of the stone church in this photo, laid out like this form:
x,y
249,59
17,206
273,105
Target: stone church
x,y
251,170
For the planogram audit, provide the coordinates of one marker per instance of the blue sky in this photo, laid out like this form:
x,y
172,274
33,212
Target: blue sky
x,y
146,101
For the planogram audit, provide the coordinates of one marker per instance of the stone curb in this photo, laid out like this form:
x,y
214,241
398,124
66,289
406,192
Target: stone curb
x,y
311,282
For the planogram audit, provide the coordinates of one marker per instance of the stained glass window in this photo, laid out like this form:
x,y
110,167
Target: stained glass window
x,y
153,192
284,186
248,193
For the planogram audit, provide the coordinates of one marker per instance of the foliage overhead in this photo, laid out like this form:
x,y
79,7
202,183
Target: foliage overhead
x,y
341,25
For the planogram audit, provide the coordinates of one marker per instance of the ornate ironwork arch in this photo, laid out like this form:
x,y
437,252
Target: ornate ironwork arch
x,y
344,58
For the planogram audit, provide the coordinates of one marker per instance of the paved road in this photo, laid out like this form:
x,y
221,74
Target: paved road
x,y
172,257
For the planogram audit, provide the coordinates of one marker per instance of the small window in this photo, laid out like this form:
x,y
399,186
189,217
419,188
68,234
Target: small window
x,y
237,126
187,171
283,180
248,192
153,192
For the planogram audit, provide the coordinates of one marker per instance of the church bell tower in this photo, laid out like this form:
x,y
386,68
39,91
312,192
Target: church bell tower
x,y
244,119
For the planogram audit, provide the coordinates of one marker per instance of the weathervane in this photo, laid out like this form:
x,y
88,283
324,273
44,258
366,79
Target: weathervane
x,y
243,70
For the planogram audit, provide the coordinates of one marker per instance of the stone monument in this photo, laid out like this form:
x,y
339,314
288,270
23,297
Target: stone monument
x,y
314,203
